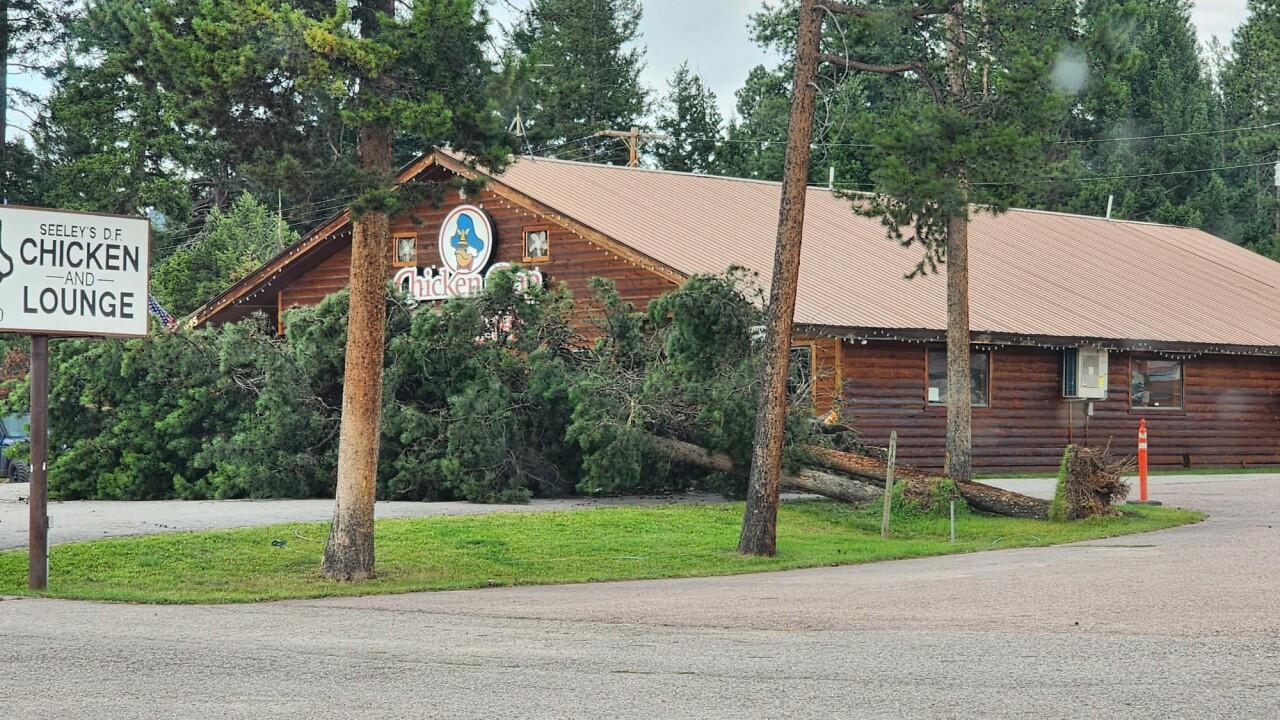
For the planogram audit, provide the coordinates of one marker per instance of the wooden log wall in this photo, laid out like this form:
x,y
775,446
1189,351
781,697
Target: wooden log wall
x,y
1230,418
828,368
572,259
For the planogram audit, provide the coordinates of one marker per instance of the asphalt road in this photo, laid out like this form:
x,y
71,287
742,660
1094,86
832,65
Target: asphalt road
x,y
1180,623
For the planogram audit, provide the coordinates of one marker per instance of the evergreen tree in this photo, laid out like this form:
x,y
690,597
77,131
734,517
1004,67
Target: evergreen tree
x,y
757,137
691,120
232,245
755,140
1251,92
973,114
1147,79
28,28
582,69
274,83
112,146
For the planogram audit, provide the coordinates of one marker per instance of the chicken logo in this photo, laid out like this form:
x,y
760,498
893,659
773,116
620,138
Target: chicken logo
x,y
466,240
6,262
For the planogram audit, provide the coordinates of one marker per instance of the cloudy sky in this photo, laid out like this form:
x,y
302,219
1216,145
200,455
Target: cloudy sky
x,y
712,36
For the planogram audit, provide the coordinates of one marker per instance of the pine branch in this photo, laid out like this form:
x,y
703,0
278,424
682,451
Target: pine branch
x,y
907,67
839,8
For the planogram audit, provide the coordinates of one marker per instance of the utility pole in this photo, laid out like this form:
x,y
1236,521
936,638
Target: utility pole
x,y
760,521
633,138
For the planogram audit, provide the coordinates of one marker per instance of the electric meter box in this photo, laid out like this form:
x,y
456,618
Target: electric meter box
x,y
1084,373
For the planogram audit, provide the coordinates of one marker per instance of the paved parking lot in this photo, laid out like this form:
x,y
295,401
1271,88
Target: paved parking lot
x,y
1178,623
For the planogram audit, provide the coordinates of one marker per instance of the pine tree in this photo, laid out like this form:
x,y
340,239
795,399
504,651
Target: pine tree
x,y
969,107
1147,78
691,121
231,245
28,28
582,66
1251,97
111,146
273,83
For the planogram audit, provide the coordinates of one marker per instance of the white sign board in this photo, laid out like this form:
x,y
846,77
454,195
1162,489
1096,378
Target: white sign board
x,y
65,273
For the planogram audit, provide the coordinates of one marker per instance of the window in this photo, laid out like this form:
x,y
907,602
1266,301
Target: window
x,y
537,244
801,379
404,250
1155,383
979,378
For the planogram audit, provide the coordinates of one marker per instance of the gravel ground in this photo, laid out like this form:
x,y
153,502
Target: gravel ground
x,y
1178,623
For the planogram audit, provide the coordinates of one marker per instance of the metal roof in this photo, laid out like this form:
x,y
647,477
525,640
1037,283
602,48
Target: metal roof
x,y
1031,273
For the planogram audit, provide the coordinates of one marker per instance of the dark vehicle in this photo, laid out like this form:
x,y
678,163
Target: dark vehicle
x,y
13,430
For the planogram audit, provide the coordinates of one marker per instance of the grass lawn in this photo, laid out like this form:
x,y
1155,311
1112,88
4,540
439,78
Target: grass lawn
x,y
446,553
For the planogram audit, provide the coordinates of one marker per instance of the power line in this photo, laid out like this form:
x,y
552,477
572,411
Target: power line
x,y
1193,133
1127,138
318,211
553,146
1135,175
1091,178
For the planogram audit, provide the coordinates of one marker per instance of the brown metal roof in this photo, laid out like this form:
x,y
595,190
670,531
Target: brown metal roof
x,y
1032,273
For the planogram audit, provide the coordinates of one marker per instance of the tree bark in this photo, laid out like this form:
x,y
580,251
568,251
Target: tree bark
x,y
1002,502
760,520
866,479
958,461
348,555
919,483
833,486
807,480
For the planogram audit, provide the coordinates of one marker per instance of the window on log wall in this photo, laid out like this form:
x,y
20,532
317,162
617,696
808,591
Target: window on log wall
x,y
801,370
979,378
1155,383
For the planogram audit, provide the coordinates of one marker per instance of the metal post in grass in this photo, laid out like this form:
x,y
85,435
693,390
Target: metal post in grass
x,y
888,484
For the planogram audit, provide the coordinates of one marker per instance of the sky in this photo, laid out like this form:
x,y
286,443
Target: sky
x,y
712,36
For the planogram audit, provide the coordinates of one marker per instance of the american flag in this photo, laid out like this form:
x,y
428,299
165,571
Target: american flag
x,y
155,308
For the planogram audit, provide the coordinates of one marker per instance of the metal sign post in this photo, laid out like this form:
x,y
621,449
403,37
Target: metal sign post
x,y
70,275
38,499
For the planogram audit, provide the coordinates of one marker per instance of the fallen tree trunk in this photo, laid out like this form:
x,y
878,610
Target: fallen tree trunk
x,y
807,480
920,484
832,486
865,481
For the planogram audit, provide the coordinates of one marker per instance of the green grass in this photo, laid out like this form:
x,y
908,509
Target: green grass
x,y
524,549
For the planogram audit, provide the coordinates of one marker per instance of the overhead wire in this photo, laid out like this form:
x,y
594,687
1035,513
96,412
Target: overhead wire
x,y
317,210
1090,178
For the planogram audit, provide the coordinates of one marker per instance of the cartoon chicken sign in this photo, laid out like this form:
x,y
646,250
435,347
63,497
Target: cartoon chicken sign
x,y
466,240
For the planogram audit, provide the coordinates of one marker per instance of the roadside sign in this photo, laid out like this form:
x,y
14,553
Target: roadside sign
x,y
66,273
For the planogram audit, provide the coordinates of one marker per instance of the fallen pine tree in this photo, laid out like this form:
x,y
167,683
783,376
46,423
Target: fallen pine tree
x,y
859,479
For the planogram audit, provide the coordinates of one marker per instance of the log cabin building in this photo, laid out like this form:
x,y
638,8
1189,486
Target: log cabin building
x,y
1081,326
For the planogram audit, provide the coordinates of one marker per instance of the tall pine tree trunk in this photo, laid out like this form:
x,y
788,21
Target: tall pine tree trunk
x,y
348,555
958,463
959,453
760,521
